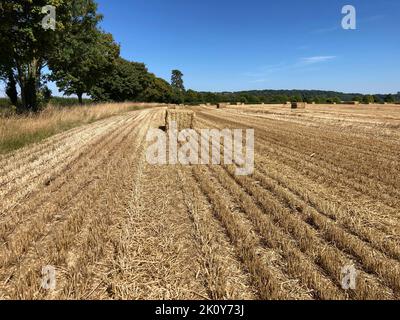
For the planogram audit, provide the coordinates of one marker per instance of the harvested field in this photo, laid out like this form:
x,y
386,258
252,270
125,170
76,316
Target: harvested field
x,y
325,194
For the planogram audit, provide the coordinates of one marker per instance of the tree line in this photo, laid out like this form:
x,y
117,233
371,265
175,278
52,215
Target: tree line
x,y
80,57
84,60
283,96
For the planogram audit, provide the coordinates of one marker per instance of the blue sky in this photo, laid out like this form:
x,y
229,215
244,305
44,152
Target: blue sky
x,y
256,44
229,45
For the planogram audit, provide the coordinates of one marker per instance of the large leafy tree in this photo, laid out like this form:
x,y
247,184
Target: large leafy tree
x,y
26,46
177,80
126,82
389,98
192,97
158,90
85,58
368,99
6,68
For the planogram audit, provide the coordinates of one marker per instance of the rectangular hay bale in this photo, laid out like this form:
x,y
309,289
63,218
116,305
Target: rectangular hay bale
x,y
298,105
184,119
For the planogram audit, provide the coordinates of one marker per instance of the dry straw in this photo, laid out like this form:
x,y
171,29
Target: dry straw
x,y
298,105
183,118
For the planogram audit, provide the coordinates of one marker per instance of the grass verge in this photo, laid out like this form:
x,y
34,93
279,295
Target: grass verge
x,y
19,131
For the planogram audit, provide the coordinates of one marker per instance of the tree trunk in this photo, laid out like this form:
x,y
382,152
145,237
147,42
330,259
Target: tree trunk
x,y
11,90
29,82
80,97
29,94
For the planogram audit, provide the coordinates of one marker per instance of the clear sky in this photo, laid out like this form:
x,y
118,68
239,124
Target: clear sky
x,y
260,44
229,45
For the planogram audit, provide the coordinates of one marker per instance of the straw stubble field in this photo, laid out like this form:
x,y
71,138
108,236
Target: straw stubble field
x,y
325,194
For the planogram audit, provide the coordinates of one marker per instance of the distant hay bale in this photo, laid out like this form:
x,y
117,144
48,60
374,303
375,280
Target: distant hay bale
x,y
184,119
222,105
298,105
354,102
177,107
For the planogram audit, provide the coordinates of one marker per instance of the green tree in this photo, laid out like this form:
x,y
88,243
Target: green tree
x,y
26,46
6,70
389,98
126,82
297,98
85,58
243,99
192,97
378,99
334,100
309,99
178,97
158,90
209,97
251,99
177,80
368,99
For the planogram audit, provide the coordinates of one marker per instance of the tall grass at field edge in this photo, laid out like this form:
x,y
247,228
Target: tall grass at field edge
x,y
17,132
